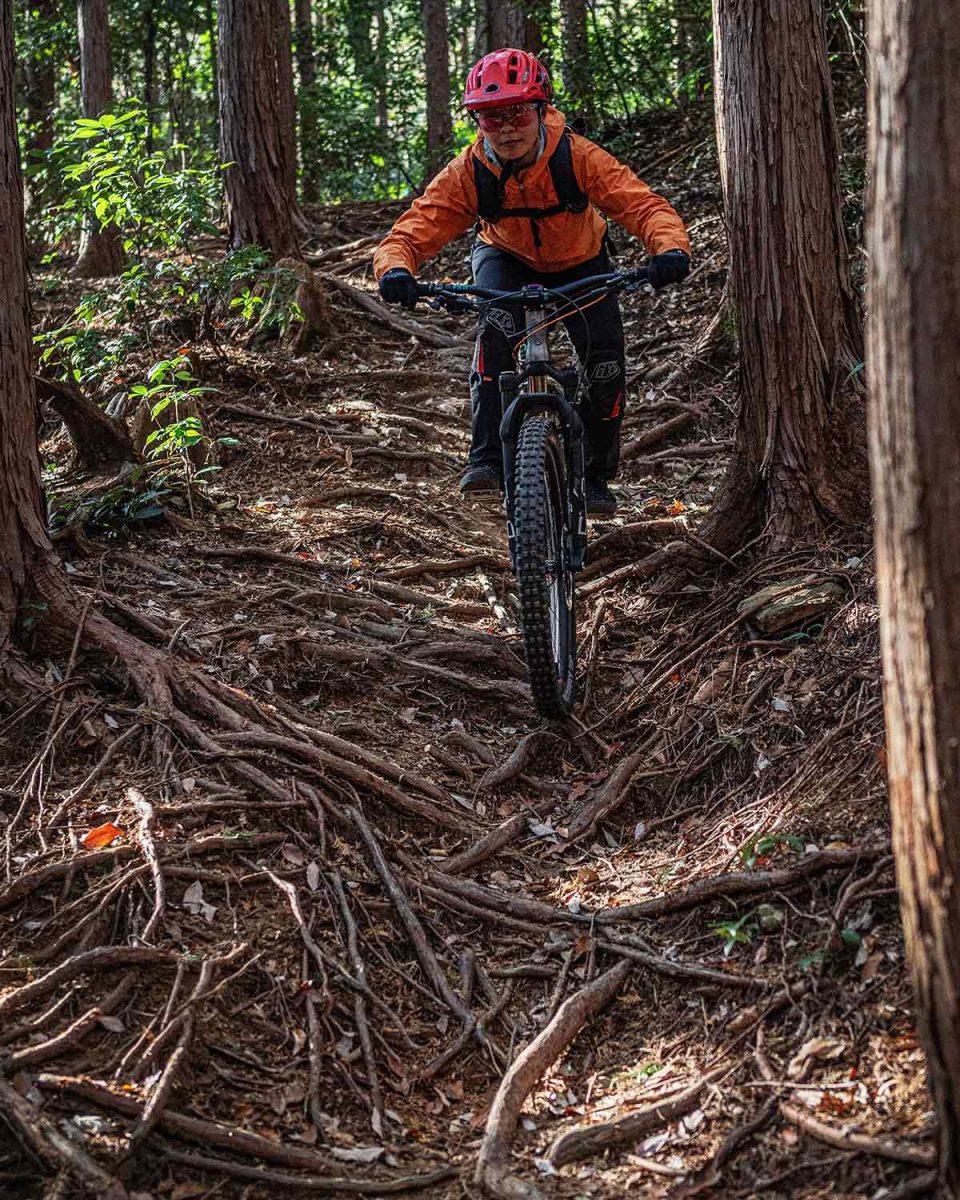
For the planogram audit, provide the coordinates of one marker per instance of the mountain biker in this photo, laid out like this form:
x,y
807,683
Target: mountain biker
x,y
536,188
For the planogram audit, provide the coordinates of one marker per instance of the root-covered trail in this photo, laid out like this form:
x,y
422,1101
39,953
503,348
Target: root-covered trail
x,y
296,929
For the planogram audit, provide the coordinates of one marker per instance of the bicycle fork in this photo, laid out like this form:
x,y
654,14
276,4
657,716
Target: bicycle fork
x,y
517,402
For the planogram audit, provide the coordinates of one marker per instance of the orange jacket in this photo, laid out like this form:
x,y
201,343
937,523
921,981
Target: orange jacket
x,y
448,208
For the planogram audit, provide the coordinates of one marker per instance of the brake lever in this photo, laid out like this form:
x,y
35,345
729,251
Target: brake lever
x,y
452,304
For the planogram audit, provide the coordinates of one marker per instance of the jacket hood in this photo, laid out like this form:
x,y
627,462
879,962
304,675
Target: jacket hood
x,y
555,123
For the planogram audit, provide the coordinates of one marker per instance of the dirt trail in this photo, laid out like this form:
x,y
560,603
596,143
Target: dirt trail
x,y
365,902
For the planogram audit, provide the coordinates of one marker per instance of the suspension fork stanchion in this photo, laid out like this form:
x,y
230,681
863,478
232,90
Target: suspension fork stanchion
x,y
576,499
533,349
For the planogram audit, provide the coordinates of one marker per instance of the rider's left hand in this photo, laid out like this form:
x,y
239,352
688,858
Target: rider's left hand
x,y
666,268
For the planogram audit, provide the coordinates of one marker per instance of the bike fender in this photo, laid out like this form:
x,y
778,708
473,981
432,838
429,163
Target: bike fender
x,y
524,404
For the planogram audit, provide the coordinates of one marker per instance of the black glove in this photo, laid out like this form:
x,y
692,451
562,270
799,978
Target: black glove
x,y
668,268
399,287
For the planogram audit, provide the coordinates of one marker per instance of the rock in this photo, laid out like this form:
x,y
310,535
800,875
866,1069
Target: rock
x,y
805,602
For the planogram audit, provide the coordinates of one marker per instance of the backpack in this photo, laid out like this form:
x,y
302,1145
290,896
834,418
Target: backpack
x,y
570,196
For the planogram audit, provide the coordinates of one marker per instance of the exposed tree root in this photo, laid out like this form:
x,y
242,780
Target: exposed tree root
x,y
527,749
225,1137
101,443
614,792
742,883
586,1141
503,835
59,1152
323,1184
493,1161
710,1175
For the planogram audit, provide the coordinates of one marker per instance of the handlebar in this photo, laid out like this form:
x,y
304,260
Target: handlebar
x,y
535,295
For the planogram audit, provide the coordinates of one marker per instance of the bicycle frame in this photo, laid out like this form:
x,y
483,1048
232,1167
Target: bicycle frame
x,y
536,370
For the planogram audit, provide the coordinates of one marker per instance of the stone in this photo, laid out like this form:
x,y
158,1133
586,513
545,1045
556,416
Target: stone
x,y
805,602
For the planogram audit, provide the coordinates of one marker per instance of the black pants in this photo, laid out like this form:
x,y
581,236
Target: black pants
x,y
597,336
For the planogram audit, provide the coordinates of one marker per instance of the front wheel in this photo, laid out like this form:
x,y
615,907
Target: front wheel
x,y
544,576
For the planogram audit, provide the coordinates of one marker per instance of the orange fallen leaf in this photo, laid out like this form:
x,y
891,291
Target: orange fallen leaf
x,y
676,508
101,836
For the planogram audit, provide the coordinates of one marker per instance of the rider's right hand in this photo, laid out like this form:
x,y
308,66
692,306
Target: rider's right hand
x,y
669,267
398,286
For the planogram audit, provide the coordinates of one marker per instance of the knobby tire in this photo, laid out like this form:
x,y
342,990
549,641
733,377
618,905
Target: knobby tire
x,y
542,565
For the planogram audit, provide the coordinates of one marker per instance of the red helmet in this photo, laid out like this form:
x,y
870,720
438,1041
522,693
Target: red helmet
x,y
506,77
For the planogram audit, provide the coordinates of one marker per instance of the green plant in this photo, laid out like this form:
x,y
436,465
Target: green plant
x,y
30,613
153,200
735,933
111,513
83,354
763,845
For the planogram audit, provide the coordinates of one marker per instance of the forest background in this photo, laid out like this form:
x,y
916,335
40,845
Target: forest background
x,y
170,290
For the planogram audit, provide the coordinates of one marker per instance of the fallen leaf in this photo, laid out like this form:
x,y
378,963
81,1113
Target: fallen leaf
x,y
818,1049
359,1154
112,1024
101,836
313,876
186,1191
194,902
295,857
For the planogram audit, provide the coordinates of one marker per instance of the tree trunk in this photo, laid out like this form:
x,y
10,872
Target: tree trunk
x,y
503,23
801,445
100,250
211,24
40,103
22,530
359,18
692,48
576,64
257,124
914,357
150,69
380,71
101,443
307,71
439,122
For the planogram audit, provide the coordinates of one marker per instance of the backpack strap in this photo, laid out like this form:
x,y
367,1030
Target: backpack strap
x,y
491,188
569,192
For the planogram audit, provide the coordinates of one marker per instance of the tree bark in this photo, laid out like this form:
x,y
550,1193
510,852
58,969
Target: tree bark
x,y
380,71
439,121
257,124
101,252
692,49
100,442
23,534
801,443
211,23
307,72
914,373
150,69
576,65
503,23
40,103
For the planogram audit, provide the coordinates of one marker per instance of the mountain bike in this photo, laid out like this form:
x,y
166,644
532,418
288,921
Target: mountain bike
x,y
543,470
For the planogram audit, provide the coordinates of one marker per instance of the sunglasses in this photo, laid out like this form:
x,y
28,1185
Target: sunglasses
x,y
517,115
